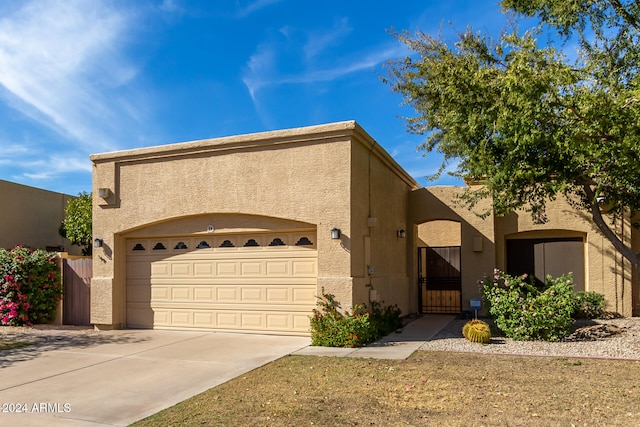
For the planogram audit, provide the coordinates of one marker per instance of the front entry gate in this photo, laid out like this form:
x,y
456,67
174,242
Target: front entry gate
x,y
440,284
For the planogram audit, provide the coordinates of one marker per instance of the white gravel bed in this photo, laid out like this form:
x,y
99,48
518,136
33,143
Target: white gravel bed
x,y
625,345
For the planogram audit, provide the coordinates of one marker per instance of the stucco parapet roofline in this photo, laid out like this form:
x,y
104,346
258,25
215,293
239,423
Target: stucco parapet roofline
x,y
248,140
316,133
371,144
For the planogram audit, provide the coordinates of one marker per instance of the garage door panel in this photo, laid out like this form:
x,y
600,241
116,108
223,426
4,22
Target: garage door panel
x,y
139,292
181,269
252,268
181,318
138,270
278,321
252,288
303,295
160,293
252,320
203,319
203,269
252,295
277,268
226,320
181,294
203,294
227,294
306,268
278,295
227,269
160,269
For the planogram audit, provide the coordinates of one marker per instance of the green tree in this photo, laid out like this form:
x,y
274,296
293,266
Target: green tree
x,y
554,110
76,225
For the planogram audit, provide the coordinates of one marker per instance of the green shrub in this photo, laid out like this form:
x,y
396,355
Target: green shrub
x,y
524,312
333,327
588,305
29,286
384,319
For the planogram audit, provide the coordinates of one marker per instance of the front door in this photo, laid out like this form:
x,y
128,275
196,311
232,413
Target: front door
x,y
440,284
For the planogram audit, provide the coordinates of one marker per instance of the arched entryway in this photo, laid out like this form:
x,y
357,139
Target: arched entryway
x,y
547,253
439,267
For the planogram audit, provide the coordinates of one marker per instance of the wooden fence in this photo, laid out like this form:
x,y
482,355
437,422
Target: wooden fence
x,y
76,279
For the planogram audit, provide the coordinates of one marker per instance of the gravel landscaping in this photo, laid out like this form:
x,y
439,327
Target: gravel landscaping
x,y
586,340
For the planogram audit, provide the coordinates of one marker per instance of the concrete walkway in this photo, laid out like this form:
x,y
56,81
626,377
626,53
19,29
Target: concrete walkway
x,y
398,346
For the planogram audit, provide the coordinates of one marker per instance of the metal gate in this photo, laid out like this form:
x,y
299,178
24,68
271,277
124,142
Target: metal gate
x,y
440,284
76,302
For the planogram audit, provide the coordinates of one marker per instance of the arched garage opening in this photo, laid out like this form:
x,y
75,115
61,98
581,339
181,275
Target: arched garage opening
x,y
439,266
229,273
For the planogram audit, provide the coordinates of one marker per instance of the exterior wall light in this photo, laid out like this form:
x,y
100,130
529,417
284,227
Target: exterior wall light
x,y
335,233
401,233
104,193
97,243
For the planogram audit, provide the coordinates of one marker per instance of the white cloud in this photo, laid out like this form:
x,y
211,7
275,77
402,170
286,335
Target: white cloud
x,y
55,166
253,6
262,67
59,61
319,41
170,6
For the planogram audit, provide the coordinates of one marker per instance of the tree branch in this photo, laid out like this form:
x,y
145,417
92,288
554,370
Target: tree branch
x,y
596,214
624,13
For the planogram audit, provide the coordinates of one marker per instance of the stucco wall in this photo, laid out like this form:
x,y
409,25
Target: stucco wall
x,y
300,175
476,235
380,191
31,217
605,272
439,233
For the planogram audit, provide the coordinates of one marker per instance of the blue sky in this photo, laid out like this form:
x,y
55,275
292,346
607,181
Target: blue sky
x,y
79,77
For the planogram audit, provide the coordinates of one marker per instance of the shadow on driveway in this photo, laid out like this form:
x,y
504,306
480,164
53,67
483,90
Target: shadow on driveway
x,y
46,338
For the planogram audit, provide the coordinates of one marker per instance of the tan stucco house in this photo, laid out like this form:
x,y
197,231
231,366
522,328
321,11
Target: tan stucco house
x,y
242,233
31,217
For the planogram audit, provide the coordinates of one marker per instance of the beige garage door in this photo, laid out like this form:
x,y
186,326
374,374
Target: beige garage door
x,y
262,282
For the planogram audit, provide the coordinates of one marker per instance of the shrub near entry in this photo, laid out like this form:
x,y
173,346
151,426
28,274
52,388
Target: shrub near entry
x,y
588,305
29,286
333,327
525,312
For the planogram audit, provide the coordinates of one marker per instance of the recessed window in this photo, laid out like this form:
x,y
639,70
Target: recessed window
x,y
159,247
180,245
251,242
304,241
227,244
203,245
138,247
277,242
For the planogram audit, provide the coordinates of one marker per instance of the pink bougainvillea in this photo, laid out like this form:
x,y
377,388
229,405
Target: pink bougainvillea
x,y
29,286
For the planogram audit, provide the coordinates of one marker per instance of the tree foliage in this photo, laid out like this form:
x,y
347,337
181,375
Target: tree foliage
x,y
535,116
77,223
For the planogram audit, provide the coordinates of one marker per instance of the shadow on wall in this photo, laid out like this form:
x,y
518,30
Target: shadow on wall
x,y
474,233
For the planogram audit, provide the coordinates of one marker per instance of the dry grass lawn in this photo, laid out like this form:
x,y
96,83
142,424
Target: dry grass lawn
x,y
428,389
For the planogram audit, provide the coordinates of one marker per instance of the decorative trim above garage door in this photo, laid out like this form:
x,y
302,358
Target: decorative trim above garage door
x,y
258,282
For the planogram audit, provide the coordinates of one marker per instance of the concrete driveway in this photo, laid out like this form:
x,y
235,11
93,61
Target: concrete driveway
x,y
118,377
